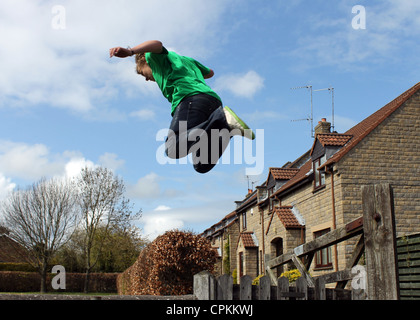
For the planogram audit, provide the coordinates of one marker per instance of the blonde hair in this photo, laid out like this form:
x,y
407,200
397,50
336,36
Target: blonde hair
x,y
140,62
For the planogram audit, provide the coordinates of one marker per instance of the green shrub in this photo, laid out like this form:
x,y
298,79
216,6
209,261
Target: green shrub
x,y
256,281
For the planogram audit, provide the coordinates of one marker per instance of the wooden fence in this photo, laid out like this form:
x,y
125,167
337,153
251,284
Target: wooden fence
x,y
376,231
408,253
207,287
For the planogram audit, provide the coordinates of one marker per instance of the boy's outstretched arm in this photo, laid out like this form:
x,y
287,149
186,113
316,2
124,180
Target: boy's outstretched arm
x,y
154,46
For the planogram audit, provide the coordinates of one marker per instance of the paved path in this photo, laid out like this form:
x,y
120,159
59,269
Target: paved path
x,y
87,297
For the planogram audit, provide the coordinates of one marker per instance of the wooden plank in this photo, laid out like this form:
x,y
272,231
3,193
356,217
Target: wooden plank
x,y
357,253
408,263
409,256
408,240
329,239
272,276
380,246
403,271
302,287
282,287
410,278
337,276
245,284
225,287
320,293
410,285
265,288
408,248
324,241
300,266
284,258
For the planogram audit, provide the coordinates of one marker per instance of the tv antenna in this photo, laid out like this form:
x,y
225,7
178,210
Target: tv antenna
x,y
252,183
330,90
311,117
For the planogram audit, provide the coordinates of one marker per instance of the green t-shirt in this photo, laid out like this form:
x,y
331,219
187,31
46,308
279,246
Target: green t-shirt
x,y
178,76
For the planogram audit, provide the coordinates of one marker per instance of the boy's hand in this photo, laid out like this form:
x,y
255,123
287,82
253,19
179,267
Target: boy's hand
x,y
119,52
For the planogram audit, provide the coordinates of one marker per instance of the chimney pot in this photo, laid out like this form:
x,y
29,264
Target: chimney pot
x,y
323,126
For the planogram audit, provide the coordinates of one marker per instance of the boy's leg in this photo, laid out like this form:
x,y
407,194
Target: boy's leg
x,y
190,131
218,137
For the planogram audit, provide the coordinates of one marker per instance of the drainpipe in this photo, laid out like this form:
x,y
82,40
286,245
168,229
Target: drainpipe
x,y
330,169
263,240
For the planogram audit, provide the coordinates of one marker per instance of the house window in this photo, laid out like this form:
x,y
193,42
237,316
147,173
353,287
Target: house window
x,y
323,258
244,220
319,177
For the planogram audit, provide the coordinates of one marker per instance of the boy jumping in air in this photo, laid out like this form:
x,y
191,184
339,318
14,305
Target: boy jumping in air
x,y
196,108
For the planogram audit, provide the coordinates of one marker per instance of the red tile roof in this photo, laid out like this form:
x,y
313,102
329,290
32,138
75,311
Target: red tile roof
x,y
362,129
247,239
287,217
358,132
283,173
333,139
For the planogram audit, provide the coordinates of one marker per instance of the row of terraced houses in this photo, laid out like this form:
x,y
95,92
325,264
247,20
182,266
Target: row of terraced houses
x,y
321,191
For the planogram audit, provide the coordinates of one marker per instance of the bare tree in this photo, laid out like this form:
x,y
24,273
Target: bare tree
x,y
41,218
102,203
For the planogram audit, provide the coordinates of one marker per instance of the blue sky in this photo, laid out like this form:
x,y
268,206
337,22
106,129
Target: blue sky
x,y
65,104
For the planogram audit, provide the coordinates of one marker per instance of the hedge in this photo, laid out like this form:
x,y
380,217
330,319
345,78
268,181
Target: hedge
x,y
167,265
13,281
16,266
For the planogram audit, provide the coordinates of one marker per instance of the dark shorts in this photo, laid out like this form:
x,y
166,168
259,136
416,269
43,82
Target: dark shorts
x,y
193,129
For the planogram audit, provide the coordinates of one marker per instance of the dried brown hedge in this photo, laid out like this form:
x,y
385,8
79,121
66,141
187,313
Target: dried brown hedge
x,y
167,265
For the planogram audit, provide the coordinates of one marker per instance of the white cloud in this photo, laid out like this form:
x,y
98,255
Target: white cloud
x,y
331,41
162,208
111,161
197,217
259,116
242,85
156,225
146,187
6,186
27,161
74,166
32,162
70,68
143,114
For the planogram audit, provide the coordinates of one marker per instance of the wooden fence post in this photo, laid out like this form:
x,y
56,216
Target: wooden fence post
x,y
320,293
225,287
204,286
380,247
302,287
282,287
245,286
265,288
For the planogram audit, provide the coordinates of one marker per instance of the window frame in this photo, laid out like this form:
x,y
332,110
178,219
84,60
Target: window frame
x,y
323,254
319,177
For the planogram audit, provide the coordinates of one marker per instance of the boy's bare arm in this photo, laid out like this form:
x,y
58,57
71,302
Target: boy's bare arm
x,y
154,46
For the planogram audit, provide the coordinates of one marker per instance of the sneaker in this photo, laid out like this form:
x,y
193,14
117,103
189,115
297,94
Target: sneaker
x,y
236,123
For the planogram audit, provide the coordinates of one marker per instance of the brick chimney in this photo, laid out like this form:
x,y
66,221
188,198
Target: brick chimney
x,y
323,126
